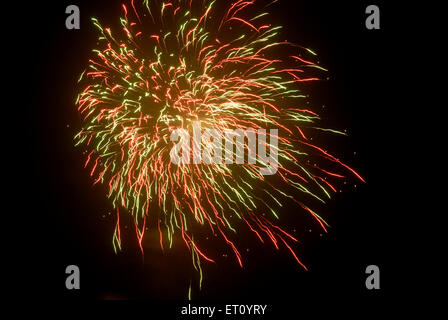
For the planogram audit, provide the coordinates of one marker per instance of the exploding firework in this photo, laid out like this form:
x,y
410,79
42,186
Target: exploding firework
x,y
179,63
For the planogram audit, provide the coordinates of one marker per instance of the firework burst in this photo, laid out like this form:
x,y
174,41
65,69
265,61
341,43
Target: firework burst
x,y
181,62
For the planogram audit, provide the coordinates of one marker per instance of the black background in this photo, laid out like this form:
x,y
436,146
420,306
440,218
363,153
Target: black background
x,y
60,219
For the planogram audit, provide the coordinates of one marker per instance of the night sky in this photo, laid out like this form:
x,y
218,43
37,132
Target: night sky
x,y
72,222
